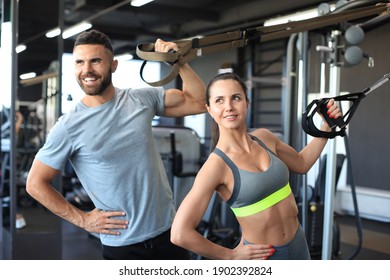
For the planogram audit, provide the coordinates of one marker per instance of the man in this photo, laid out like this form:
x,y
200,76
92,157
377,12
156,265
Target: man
x,y
108,139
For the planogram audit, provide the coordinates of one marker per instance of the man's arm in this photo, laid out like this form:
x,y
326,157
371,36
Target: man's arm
x,y
191,99
39,187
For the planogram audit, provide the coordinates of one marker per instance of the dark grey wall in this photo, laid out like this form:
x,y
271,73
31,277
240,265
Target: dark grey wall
x,y
369,128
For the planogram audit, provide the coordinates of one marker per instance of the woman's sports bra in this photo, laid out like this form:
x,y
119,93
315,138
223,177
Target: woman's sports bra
x,y
254,192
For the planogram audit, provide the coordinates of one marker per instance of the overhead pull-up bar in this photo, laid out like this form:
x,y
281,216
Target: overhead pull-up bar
x,y
192,48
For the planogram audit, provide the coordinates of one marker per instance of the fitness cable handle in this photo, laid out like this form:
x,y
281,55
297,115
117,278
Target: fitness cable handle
x,y
338,125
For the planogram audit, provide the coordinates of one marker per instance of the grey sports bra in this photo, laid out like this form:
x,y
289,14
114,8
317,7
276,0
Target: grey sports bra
x,y
254,192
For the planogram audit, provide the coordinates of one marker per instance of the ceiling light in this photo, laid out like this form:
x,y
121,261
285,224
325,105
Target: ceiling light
x,y
20,48
53,33
298,16
139,3
293,17
28,75
124,57
69,32
75,29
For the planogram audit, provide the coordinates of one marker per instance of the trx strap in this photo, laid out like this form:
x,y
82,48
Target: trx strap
x,y
192,48
338,125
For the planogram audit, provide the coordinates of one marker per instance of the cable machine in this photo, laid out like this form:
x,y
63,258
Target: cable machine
x,y
353,55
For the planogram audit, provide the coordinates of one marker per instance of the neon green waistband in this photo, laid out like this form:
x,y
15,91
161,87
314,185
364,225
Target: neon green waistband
x,y
263,204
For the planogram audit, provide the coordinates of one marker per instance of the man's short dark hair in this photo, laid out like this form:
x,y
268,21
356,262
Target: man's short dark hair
x,y
94,37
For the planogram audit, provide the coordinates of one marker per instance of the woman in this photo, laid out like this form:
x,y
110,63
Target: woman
x,y
251,173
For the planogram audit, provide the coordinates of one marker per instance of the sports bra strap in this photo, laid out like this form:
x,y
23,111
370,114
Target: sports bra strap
x,y
261,143
236,175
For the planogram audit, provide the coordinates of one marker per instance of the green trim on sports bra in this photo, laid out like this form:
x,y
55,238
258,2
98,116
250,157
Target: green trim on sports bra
x,y
263,204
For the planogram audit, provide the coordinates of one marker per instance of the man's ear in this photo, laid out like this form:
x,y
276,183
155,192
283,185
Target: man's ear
x,y
114,65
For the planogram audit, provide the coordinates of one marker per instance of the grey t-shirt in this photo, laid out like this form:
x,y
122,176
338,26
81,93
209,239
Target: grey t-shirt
x,y
112,150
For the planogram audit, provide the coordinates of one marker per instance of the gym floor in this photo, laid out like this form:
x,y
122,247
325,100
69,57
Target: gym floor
x,y
79,245
376,239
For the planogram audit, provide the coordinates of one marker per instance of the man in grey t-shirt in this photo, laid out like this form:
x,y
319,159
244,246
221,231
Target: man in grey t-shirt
x,y
108,139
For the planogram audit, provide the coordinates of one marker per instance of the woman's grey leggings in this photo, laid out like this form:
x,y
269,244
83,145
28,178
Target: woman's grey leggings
x,y
296,249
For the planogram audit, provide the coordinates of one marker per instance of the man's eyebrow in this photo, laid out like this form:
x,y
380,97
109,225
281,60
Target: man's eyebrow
x,y
91,59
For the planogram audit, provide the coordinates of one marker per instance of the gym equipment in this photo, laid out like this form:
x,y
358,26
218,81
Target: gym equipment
x,y
190,49
315,217
338,128
24,156
339,125
180,150
334,49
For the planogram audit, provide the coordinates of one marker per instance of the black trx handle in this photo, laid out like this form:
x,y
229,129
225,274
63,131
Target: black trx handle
x,y
338,125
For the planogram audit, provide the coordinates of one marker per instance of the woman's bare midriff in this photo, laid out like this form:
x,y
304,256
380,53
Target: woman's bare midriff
x,y
276,225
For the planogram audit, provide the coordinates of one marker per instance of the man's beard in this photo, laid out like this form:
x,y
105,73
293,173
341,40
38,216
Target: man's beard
x,y
95,91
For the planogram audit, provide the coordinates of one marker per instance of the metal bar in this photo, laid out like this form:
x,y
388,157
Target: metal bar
x,y
377,84
334,88
283,30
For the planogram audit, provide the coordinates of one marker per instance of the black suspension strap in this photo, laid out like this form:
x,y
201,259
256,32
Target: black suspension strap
x,y
338,125
192,48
